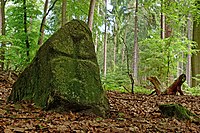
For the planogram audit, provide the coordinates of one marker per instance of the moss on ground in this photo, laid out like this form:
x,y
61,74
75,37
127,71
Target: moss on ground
x,y
177,111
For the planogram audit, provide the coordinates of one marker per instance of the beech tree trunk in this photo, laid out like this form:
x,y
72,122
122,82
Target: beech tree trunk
x,y
124,46
26,31
96,38
136,49
41,36
115,44
64,8
196,57
188,67
91,13
162,22
3,32
105,42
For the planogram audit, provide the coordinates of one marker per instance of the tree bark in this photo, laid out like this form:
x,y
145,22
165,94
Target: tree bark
x,y
124,46
176,86
105,42
115,44
3,32
41,36
26,31
96,38
96,42
91,13
157,85
188,67
162,22
136,49
196,57
64,8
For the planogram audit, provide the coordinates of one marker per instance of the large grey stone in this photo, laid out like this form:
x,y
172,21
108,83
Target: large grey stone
x,y
64,75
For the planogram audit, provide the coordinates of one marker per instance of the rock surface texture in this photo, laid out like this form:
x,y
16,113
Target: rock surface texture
x,y
64,75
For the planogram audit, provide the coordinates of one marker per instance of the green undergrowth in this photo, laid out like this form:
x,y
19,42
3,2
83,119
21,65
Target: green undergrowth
x,y
194,91
117,82
137,89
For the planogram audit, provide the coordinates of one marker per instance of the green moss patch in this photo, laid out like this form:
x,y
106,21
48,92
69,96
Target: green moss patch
x,y
177,111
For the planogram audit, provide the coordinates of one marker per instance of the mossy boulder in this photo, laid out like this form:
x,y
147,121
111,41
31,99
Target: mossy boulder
x,y
177,111
64,75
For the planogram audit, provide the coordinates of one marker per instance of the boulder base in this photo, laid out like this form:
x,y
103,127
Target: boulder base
x,y
64,75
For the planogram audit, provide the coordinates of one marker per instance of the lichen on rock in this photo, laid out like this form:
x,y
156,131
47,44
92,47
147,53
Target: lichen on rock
x,y
64,75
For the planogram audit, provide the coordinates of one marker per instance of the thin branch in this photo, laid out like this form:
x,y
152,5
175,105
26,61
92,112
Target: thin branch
x,y
50,8
126,89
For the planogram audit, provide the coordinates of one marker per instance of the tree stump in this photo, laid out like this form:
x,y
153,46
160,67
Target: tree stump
x,y
177,111
172,89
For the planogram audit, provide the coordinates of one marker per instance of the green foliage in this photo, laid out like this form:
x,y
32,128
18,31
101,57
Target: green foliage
x,y
116,80
192,90
157,57
156,53
142,90
15,48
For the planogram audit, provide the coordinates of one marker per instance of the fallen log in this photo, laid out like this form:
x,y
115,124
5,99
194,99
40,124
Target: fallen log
x,y
172,89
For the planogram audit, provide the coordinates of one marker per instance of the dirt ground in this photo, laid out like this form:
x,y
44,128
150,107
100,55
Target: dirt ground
x,y
129,113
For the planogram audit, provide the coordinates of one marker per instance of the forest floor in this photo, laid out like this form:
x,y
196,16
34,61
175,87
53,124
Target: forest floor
x,y
129,113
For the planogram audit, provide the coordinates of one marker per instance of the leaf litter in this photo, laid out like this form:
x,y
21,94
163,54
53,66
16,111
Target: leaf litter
x,y
128,113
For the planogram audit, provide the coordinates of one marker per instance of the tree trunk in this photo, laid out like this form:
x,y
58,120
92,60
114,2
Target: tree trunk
x,y
1,17
196,57
91,13
162,22
166,33
136,49
3,32
26,31
96,38
105,42
96,42
180,65
188,67
124,46
115,45
64,20
42,26
41,36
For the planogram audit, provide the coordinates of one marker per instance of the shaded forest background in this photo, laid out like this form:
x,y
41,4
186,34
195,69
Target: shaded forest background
x,y
141,38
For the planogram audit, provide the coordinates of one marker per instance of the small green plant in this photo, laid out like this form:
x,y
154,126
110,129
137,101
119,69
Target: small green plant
x,y
99,119
194,90
142,90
